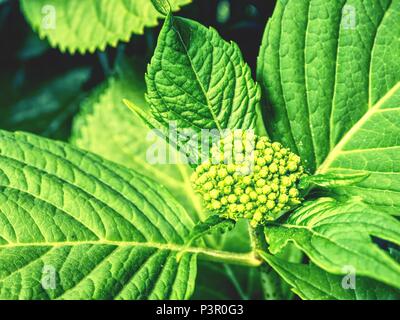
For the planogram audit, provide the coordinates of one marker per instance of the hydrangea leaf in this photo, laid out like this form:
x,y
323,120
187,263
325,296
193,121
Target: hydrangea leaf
x,y
41,105
86,25
335,235
312,283
323,65
75,226
372,146
105,126
213,223
200,81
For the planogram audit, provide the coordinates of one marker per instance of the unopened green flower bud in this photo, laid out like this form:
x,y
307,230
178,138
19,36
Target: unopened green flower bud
x,y
264,172
283,198
273,168
232,198
262,198
260,183
292,166
214,194
244,198
272,196
266,189
293,193
229,180
216,205
270,204
253,195
208,186
247,180
257,189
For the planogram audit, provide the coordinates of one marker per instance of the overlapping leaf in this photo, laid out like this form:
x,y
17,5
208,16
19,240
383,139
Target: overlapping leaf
x,y
200,81
108,128
47,107
335,235
86,25
312,283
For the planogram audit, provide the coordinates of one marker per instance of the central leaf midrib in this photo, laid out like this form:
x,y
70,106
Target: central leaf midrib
x,y
347,137
214,116
249,256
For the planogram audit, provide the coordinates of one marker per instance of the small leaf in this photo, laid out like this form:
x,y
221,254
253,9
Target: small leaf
x,y
212,224
199,81
162,6
332,180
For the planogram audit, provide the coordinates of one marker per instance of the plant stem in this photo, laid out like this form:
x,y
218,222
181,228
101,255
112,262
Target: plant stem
x,y
270,280
244,259
258,239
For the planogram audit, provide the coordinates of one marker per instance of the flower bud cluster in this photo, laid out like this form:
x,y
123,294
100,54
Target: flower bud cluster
x,y
249,177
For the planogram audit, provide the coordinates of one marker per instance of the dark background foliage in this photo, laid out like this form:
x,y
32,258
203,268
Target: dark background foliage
x,y
41,88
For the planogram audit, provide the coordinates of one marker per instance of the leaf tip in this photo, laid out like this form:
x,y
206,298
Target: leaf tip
x,y
162,6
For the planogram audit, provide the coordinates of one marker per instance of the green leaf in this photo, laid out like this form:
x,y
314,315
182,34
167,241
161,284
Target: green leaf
x,y
86,25
274,287
200,81
44,107
372,146
332,180
312,283
321,70
213,223
106,231
105,126
227,282
162,6
335,235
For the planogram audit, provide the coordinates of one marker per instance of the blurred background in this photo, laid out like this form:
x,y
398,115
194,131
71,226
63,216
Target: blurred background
x,y
41,88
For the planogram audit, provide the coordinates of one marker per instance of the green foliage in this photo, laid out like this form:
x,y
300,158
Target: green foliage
x,y
335,234
321,70
107,216
200,81
46,108
372,146
105,126
84,213
105,22
108,128
313,283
